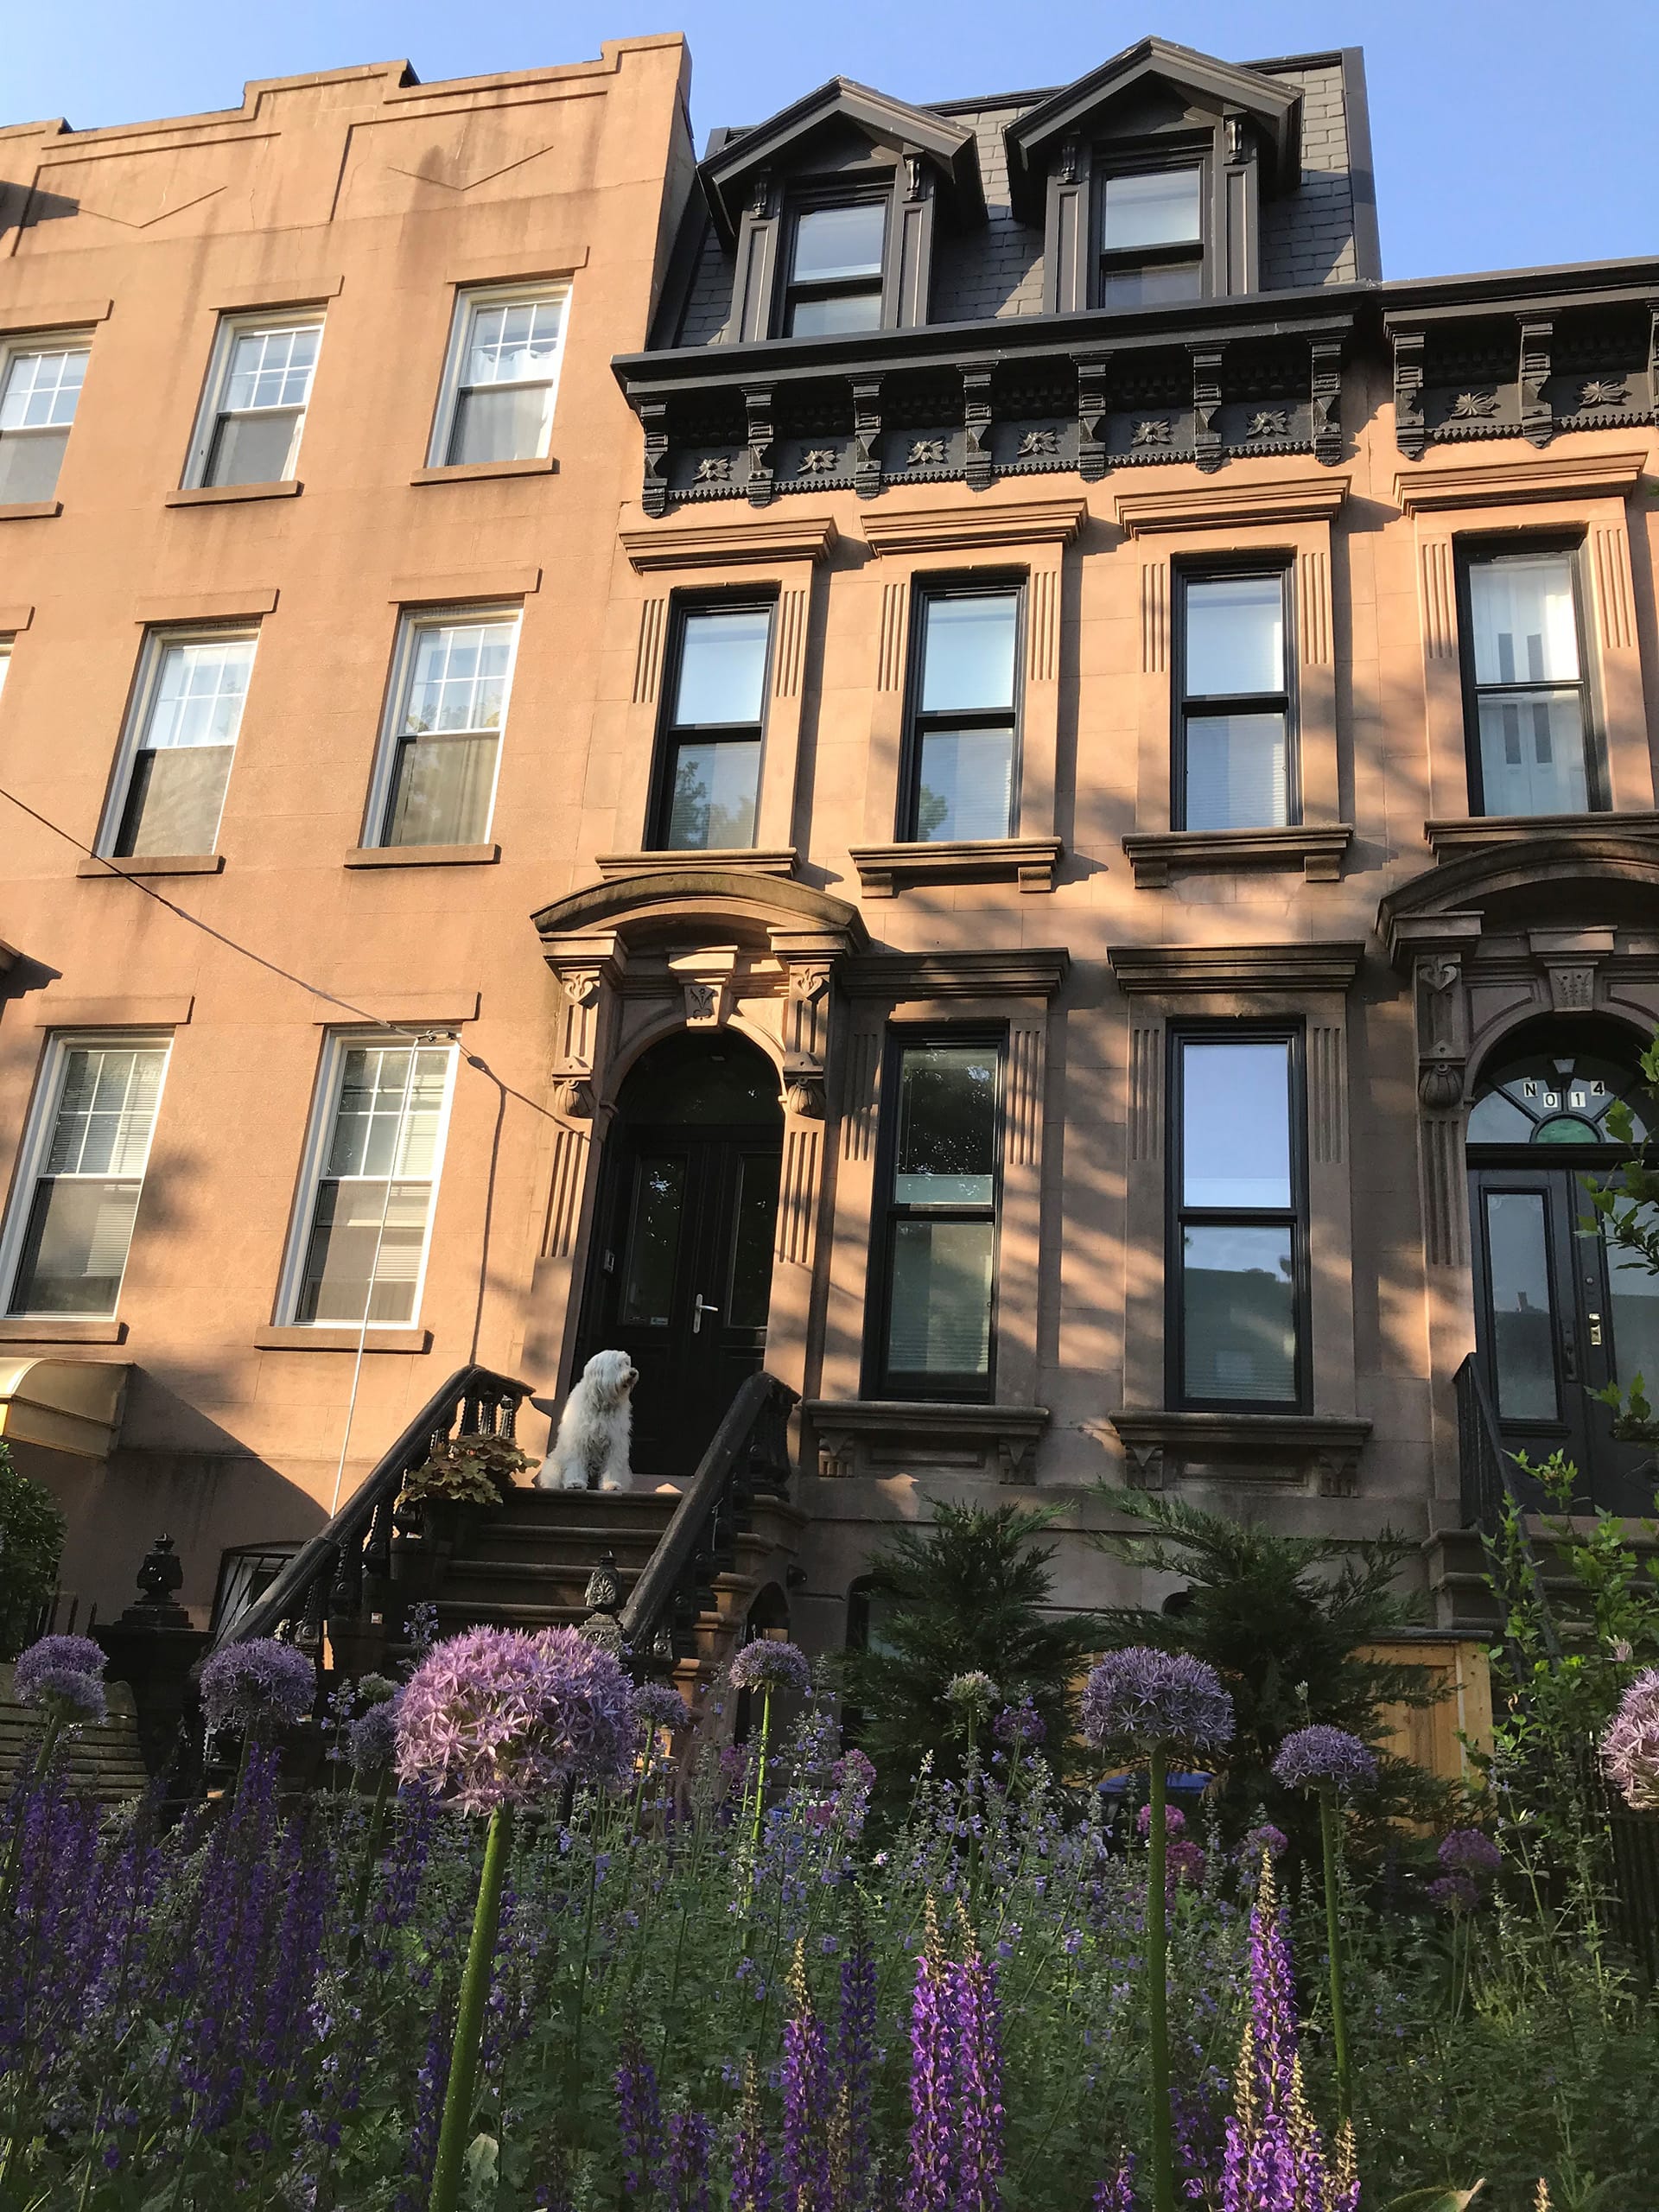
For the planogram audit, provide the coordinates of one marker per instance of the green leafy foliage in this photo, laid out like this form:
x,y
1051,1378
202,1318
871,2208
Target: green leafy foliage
x,y
1436,2200
1282,1620
968,1592
31,1544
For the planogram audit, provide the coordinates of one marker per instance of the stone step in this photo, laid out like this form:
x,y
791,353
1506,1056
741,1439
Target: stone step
x,y
103,1763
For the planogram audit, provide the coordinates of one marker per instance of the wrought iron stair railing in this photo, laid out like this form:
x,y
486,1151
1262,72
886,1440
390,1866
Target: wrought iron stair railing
x,y
747,1459
340,1577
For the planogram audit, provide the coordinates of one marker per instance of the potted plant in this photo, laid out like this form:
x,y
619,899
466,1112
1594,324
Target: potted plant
x,y
460,1476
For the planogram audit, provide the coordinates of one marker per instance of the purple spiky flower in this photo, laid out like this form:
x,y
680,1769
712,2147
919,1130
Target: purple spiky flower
x,y
1140,1700
1264,1836
1322,1758
806,2097
1630,1749
932,2081
751,2156
771,1664
1469,1851
1117,2191
64,1672
979,2074
1020,1723
495,1717
371,1739
262,1683
1455,1892
660,1705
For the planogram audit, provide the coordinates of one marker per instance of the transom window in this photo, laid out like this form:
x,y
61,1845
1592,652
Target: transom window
x,y
259,389
1554,1098
1529,720
1237,1305
937,1264
368,1211
964,719
504,374
1235,765
181,743
709,774
83,1172
1151,236
39,391
456,676
835,269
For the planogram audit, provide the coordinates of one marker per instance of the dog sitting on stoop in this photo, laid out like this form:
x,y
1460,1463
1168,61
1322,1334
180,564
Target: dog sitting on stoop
x,y
590,1451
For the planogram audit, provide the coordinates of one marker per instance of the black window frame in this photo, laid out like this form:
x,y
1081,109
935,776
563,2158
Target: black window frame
x,y
1179,1216
1114,161
672,735
878,1383
976,584
811,200
1186,705
1478,551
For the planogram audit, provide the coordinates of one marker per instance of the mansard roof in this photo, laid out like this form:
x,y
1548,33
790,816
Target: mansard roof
x,y
950,146
1273,106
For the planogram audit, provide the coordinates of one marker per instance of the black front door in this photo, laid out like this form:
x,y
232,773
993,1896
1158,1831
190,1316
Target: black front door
x,y
1559,1316
681,1274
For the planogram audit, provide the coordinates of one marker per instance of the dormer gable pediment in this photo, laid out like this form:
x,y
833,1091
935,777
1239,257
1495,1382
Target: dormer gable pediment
x,y
1152,82
827,128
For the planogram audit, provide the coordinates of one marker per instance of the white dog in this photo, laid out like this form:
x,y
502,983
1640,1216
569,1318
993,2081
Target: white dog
x,y
591,1449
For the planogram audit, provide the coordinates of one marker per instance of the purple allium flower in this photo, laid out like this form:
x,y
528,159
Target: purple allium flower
x,y
1630,1749
56,1655
248,1685
972,1694
76,1696
770,1664
1020,1723
1455,1893
1321,1757
1174,1821
371,1739
1141,1699
1264,1836
1469,1851
495,1716
1184,1862
660,1705
1116,2192
852,1770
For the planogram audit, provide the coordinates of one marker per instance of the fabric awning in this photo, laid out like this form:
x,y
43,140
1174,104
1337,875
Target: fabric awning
x,y
63,1405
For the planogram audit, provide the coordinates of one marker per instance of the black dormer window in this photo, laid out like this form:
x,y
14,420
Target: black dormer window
x,y
834,268
1152,236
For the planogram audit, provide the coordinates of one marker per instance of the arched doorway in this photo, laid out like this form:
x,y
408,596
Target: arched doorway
x,y
1559,1312
680,1272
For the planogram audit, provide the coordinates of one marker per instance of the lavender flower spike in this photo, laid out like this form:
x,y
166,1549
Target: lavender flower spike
x,y
1116,2192
62,1671
750,2158
770,1664
932,2081
1630,1749
1325,1758
496,1717
258,1684
1140,1698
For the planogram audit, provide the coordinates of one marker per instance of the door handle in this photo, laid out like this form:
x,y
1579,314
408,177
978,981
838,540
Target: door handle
x,y
700,1306
1594,1319
1569,1356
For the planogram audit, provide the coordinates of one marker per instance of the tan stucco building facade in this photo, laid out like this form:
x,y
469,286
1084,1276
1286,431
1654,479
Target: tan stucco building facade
x,y
654,1046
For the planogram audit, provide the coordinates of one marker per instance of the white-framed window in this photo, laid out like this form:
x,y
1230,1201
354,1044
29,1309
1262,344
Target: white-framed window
x,y
440,750
168,789
501,376
364,1223
40,389
80,1173
5,663
253,406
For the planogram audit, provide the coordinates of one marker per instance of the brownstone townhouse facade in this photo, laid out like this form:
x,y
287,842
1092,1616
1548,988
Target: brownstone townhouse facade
x,y
970,763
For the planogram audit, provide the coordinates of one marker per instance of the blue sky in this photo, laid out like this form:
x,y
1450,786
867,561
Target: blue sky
x,y
1501,137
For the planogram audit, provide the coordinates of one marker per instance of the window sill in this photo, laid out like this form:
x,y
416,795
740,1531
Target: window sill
x,y
153,864
1317,851
1317,1450
423,856
478,471
744,859
883,1437
225,495
1449,840
1029,862
31,510
301,1339
60,1329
